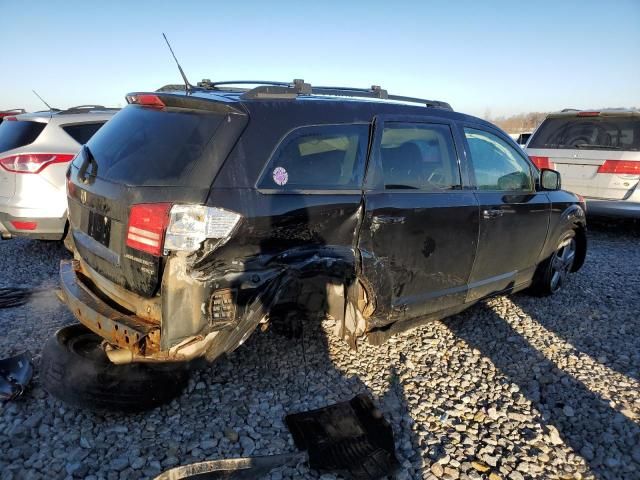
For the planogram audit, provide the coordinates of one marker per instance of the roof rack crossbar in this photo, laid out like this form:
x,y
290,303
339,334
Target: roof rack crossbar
x,y
299,87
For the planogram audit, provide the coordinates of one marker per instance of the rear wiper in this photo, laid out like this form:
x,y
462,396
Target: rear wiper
x,y
87,160
593,145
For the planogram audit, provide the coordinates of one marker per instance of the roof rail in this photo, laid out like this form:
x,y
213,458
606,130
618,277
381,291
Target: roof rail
x,y
85,108
270,89
570,110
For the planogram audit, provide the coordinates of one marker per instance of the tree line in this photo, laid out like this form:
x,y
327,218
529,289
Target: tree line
x,y
522,122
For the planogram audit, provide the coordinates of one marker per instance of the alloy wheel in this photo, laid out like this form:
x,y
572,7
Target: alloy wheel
x,y
562,263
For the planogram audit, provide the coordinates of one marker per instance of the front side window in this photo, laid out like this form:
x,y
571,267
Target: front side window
x,y
418,156
496,164
320,157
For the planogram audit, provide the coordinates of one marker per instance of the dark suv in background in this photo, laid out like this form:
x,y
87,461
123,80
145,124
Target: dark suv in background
x,y
196,214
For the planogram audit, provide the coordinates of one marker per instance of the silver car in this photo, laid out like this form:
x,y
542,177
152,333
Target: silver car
x,y
597,153
35,151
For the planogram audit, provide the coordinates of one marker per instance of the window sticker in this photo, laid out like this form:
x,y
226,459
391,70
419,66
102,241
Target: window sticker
x,y
280,176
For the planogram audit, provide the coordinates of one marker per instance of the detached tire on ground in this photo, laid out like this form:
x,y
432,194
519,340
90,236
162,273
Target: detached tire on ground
x,y
75,369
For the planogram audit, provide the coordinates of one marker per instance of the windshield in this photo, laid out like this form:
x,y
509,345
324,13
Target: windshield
x,y
613,133
15,134
145,146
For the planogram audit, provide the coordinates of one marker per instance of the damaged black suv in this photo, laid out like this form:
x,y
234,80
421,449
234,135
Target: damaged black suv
x,y
197,215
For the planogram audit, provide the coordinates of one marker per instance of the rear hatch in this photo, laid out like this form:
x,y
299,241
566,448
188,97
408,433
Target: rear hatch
x,y
160,149
15,133
597,154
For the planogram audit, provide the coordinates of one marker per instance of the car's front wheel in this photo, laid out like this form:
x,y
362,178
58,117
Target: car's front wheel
x,y
552,273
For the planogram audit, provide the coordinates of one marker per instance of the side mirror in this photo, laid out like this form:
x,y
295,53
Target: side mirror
x,y
550,179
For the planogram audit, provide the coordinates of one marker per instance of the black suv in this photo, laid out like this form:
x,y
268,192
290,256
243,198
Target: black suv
x,y
198,215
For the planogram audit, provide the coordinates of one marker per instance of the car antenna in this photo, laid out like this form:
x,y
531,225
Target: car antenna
x,y
42,100
187,85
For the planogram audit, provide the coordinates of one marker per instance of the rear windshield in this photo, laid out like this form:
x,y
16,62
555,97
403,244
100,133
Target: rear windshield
x,y
15,134
606,133
144,146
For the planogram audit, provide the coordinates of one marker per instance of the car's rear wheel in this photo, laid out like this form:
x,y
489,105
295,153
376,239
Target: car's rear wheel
x,y
552,273
76,369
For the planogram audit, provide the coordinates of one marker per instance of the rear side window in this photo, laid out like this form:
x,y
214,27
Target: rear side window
x,y
418,156
598,132
322,157
144,146
82,133
15,134
496,164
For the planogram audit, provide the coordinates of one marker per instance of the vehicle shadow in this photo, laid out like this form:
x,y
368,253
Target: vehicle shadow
x,y
599,319
596,431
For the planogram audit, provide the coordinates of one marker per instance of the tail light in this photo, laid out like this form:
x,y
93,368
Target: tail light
x,y
24,225
147,224
190,225
541,162
33,162
156,227
624,167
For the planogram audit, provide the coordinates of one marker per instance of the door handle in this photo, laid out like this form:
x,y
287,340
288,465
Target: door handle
x,y
379,219
492,213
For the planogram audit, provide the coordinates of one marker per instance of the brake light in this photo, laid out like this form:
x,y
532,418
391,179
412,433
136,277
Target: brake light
x,y
24,225
588,114
625,167
146,100
541,162
147,224
33,162
10,119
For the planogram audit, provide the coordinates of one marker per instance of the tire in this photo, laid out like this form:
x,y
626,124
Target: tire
x,y
76,370
553,272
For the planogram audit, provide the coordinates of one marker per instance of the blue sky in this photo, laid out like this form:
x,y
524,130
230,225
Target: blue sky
x,y
501,57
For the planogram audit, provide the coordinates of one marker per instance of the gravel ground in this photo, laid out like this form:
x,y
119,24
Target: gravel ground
x,y
516,387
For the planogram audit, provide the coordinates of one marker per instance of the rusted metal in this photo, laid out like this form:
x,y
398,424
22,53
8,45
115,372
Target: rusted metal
x,y
125,331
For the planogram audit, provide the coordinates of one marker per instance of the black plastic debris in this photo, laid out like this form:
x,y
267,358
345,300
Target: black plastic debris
x,y
15,374
351,438
348,437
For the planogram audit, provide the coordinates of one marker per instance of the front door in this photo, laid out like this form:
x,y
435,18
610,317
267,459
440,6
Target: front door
x,y
514,217
420,228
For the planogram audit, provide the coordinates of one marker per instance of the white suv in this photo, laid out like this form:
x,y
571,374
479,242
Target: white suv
x,y
35,151
597,154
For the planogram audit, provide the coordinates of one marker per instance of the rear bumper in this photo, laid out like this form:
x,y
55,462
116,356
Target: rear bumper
x,y
613,208
117,328
131,338
46,228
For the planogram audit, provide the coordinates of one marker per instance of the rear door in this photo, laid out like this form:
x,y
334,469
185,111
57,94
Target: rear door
x,y
514,217
596,154
143,155
419,233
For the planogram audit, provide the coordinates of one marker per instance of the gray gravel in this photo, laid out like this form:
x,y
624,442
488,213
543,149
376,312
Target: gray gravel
x,y
514,388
